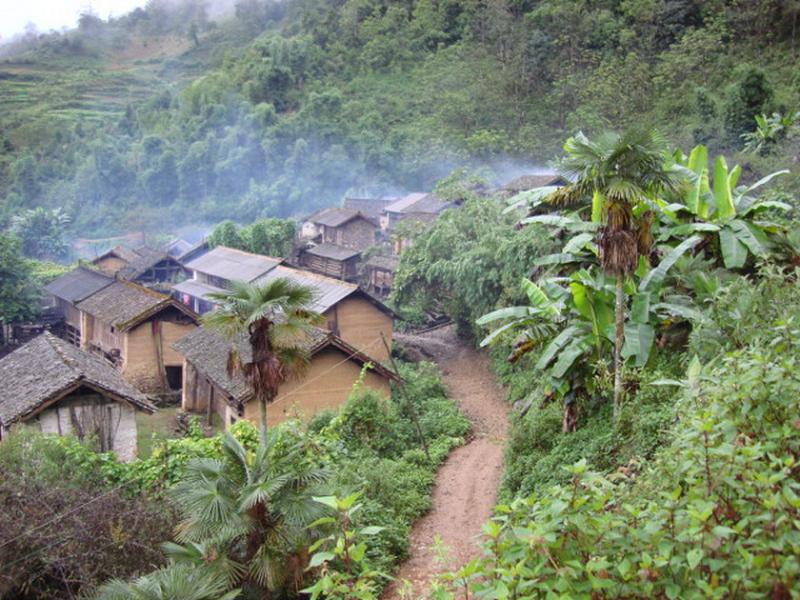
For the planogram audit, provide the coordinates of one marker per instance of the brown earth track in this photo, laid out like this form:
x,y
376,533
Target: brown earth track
x,y
467,483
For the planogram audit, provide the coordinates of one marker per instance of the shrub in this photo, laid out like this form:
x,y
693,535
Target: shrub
x,y
716,515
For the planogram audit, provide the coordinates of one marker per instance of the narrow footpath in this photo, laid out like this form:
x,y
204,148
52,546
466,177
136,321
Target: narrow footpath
x,y
466,484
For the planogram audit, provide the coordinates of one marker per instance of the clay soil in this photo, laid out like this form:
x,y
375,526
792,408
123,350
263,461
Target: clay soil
x,y
466,484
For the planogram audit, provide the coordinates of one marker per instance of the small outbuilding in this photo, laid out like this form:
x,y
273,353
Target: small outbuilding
x,y
60,389
334,368
331,260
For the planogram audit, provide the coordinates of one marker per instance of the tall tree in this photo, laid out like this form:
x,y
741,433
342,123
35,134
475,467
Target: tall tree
x,y
18,297
617,174
276,319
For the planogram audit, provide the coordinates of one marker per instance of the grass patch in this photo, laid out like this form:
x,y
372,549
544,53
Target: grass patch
x,y
152,428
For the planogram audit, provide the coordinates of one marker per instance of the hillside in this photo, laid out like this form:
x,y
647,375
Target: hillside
x,y
165,116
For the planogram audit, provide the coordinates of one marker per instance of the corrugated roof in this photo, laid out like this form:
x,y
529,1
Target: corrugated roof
x,y
230,264
78,284
196,289
208,351
328,291
46,368
332,251
124,304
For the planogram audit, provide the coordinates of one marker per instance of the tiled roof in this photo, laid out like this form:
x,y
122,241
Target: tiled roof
x,y
178,247
78,284
230,264
369,207
147,259
122,252
46,368
332,251
123,304
209,352
418,202
387,263
335,217
529,182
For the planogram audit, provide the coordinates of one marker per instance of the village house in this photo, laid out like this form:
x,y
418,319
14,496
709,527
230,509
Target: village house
x,y
378,274
134,328
526,183
334,368
331,260
69,289
114,259
60,389
419,206
350,313
212,272
342,227
371,208
146,266
358,318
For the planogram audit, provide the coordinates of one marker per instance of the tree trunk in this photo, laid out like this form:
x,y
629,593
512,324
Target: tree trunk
x,y
262,404
619,337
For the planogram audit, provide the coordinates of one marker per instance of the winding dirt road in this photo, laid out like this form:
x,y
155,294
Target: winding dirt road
x,y
466,484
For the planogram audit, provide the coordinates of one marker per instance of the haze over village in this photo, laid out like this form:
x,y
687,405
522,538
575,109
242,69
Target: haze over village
x,y
399,299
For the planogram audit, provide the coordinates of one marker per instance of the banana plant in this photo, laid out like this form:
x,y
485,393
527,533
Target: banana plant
x,y
572,319
720,209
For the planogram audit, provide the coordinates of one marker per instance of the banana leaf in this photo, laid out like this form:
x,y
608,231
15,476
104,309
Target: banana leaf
x,y
734,252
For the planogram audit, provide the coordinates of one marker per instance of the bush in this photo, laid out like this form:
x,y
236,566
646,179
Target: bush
x,y
64,529
715,514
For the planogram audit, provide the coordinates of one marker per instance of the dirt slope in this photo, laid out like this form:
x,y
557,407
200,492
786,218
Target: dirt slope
x,y
467,482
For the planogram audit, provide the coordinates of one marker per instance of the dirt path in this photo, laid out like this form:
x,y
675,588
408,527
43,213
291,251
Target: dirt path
x,y
467,482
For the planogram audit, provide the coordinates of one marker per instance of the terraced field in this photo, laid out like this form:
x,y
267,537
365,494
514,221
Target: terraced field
x,y
89,90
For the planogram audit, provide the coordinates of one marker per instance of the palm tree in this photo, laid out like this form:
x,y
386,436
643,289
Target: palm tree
x,y
171,582
276,319
617,174
246,517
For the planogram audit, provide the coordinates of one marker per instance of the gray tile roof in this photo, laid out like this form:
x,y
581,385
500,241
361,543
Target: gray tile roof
x,y
334,217
78,284
418,202
230,264
124,304
529,182
146,260
122,252
47,368
178,247
332,251
387,263
369,207
208,351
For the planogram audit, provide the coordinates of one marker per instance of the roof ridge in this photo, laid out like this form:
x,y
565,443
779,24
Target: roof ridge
x,y
67,360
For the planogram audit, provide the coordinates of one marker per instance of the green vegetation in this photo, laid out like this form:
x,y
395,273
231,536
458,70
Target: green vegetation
x,y
271,237
712,515
691,490
370,447
165,116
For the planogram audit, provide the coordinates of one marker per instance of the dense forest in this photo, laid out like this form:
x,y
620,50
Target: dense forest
x,y
643,317
167,116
